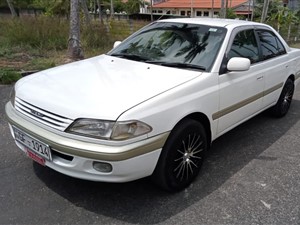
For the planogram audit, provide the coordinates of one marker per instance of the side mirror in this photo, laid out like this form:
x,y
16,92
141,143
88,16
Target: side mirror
x,y
238,64
117,43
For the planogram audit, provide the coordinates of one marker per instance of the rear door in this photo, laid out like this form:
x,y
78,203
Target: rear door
x,y
275,63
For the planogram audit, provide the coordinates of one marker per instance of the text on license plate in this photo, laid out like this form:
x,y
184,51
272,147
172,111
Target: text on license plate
x,y
33,144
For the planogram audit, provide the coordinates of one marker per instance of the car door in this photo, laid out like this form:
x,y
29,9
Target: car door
x,y
275,65
240,92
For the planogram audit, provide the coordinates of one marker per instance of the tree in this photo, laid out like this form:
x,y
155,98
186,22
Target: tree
x,y
222,11
230,14
74,48
11,7
133,6
278,17
291,19
85,11
264,11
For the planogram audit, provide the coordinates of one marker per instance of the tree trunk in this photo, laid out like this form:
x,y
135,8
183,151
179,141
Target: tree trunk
x,y
74,49
100,10
212,8
226,9
253,10
86,12
289,32
265,11
11,7
112,13
151,9
222,12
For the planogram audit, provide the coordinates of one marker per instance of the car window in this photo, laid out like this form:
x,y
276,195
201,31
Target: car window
x,y
270,44
174,43
245,45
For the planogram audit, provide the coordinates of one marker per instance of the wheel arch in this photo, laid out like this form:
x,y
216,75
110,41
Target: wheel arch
x,y
203,119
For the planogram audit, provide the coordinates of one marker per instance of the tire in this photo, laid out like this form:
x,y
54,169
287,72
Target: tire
x,y
285,99
181,157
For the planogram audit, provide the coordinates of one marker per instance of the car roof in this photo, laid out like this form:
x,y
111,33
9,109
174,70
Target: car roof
x,y
213,22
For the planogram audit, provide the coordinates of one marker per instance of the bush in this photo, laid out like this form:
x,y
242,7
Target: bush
x,y
41,32
8,76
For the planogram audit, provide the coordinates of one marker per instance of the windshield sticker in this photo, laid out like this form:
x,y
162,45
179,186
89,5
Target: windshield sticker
x,y
213,30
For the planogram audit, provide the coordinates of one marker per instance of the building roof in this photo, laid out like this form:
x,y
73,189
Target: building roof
x,y
205,4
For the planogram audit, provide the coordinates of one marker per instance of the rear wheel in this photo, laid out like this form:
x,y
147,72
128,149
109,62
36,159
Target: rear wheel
x,y
285,99
182,156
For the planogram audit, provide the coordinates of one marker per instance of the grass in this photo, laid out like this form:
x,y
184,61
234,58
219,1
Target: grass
x,y
38,43
30,44
295,45
8,76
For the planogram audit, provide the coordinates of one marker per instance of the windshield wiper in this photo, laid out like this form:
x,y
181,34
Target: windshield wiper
x,y
130,56
178,65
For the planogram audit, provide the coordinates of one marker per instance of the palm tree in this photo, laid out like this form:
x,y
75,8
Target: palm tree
x,y
290,19
11,7
265,11
85,11
279,17
133,6
74,49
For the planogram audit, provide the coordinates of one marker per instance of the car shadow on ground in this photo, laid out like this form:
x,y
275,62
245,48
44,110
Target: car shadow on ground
x,y
142,202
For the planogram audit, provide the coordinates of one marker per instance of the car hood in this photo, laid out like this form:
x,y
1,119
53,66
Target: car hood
x,y
101,87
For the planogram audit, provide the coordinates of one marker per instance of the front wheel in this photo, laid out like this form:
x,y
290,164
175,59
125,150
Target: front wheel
x,y
285,99
182,156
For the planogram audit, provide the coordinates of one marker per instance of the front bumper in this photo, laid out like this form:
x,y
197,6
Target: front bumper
x,y
76,157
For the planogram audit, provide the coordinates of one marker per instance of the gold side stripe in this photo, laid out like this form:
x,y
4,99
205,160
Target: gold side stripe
x,y
245,102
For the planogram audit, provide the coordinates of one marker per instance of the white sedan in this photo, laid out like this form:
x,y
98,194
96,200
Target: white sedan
x,y
154,104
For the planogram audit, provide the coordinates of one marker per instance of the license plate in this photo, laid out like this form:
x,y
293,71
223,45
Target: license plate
x,y
35,157
33,144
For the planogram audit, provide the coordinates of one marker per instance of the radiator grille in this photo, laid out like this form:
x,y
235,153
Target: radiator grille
x,y
42,116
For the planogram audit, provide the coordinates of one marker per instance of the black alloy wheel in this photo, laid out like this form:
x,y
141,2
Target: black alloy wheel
x,y
182,156
285,99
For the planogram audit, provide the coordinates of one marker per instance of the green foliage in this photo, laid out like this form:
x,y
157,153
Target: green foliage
x,y
133,6
230,14
8,76
40,43
119,6
58,7
41,32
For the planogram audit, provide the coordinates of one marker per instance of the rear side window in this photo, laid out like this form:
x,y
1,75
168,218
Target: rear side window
x,y
245,45
270,44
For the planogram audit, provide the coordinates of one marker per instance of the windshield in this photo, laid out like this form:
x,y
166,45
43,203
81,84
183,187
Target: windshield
x,y
190,46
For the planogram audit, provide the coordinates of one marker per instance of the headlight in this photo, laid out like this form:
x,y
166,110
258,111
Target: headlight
x,y
92,128
129,129
108,129
13,96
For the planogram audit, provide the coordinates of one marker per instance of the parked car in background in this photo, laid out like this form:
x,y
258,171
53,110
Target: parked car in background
x,y
153,105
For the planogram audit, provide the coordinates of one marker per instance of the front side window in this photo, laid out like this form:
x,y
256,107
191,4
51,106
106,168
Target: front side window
x,y
245,45
270,44
178,43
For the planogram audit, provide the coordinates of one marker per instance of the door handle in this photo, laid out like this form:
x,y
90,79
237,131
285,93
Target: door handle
x,y
260,78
